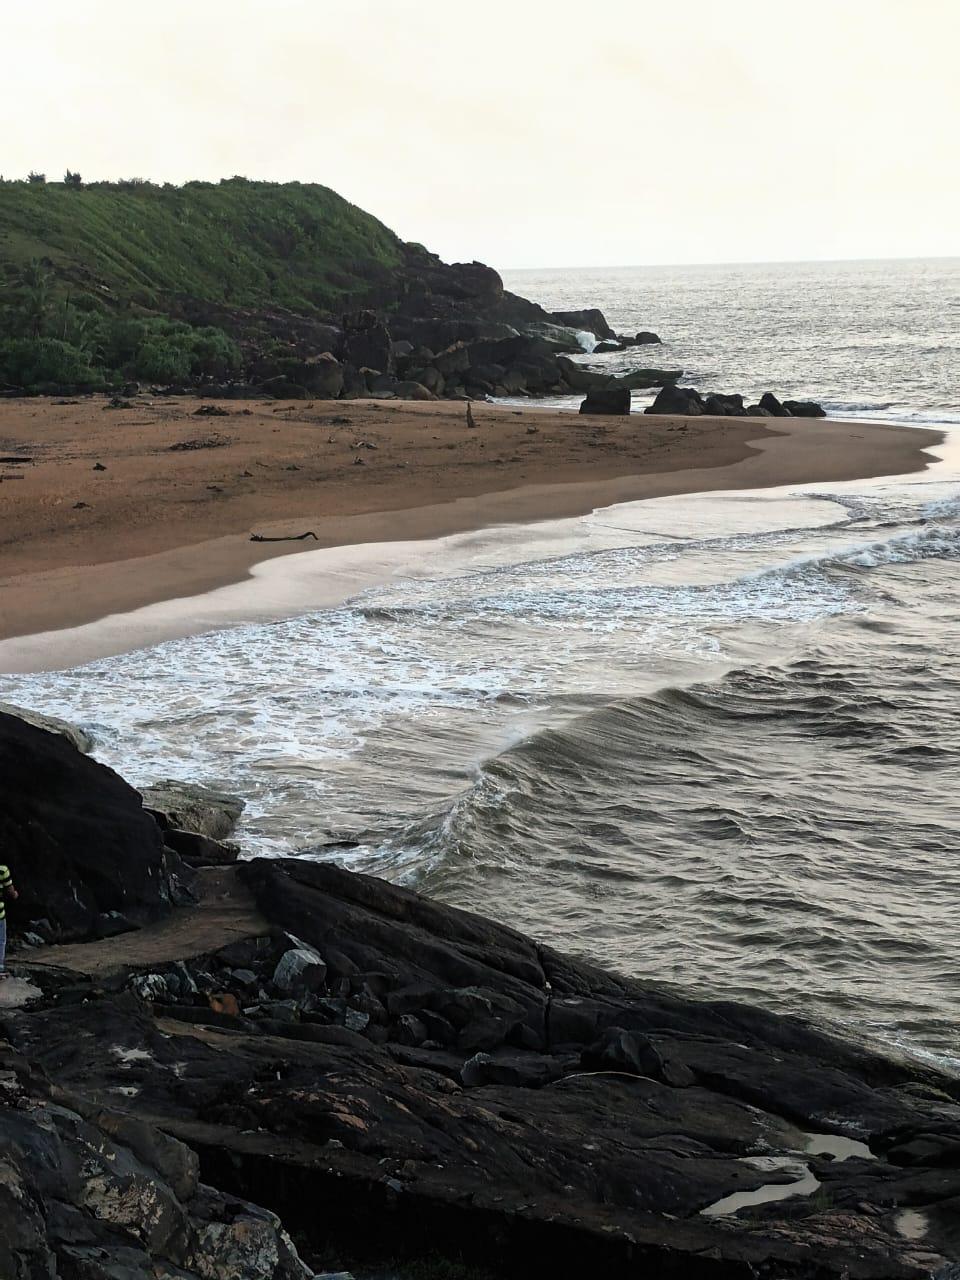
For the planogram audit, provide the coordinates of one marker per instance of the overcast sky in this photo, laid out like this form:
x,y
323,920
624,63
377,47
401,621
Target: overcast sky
x,y
521,132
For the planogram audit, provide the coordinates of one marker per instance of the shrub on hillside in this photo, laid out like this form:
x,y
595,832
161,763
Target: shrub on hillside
x,y
161,360
39,363
214,354
160,350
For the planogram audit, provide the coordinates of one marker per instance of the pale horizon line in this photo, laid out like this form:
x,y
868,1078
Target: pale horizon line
x,y
741,262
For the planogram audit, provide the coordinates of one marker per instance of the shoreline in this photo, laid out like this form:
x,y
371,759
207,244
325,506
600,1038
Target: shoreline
x,y
68,582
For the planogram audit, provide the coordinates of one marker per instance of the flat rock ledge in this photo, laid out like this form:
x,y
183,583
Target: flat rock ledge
x,y
392,1077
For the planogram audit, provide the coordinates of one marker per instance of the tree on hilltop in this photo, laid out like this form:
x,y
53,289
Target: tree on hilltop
x,y
72,179
33,177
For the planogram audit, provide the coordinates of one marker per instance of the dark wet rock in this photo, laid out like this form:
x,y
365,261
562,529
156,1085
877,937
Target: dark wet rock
x,y
200,851
590,319
379,384
185,806
619,1050
323,376
804,409
490,373
411,390
93,1194
354,384
283,387
645,338
453,359
78,840
427,376
614,400
723,406
516,1070
579,377
556,338
367,342
688,401
614,1157
644,379
77,737
772,405
301,971
677,400
604,348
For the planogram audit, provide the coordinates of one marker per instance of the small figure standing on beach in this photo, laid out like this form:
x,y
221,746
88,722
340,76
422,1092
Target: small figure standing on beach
x,y
6,891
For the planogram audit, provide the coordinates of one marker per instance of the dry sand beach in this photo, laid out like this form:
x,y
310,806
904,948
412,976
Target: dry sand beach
x,y
114,509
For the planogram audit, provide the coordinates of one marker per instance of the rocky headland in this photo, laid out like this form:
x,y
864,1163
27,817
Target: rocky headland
x,y
280,292
221,1071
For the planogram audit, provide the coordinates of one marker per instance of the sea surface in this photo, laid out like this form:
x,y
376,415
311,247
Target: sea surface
x,y
710,741
879,340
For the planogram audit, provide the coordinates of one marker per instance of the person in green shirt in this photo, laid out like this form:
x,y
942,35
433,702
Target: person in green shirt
x,y
6,891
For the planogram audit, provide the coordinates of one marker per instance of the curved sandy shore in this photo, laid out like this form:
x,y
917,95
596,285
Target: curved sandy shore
x,y
160,523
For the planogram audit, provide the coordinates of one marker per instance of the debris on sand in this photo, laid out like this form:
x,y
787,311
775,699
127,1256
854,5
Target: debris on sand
x,y
200,442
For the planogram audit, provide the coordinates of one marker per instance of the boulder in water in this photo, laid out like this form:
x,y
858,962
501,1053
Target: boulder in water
x,y
579,377
644,379
189,807
804,409
590,319
770,404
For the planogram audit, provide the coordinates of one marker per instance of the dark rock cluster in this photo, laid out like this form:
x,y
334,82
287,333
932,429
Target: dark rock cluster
x,y
439,358
689,402
441,330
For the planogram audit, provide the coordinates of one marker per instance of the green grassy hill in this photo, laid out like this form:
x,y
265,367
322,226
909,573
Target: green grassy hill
x,y
237,243
212,282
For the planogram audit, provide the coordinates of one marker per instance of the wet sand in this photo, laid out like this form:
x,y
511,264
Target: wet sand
x,y
110,515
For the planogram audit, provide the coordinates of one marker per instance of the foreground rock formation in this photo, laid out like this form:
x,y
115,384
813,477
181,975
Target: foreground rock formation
x,y
90,862
92,1193
392,1077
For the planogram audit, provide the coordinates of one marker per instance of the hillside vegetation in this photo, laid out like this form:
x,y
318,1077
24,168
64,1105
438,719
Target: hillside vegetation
x,y
124,280
244,244
239,284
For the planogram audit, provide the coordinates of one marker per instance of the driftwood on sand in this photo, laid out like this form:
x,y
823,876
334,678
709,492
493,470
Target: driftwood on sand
x,y
292,537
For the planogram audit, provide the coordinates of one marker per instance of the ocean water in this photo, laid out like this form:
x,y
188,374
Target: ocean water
x,y
878,340
710,741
